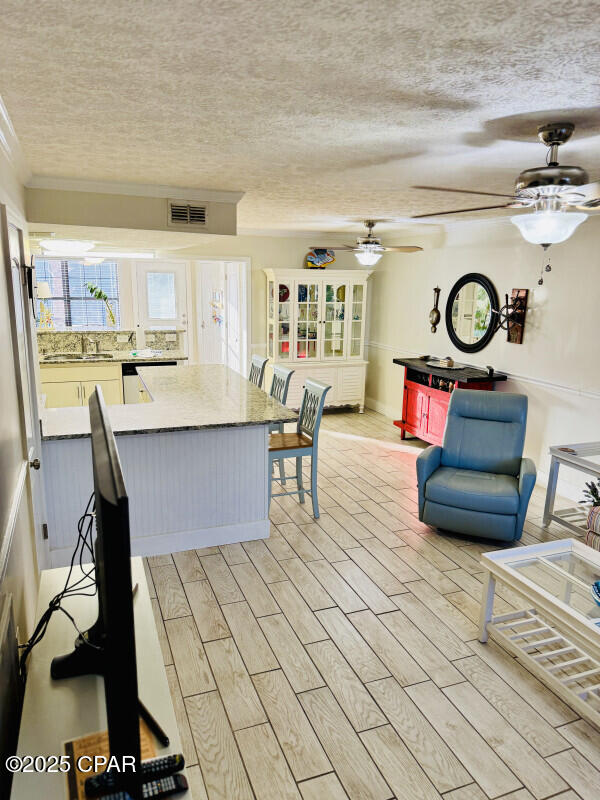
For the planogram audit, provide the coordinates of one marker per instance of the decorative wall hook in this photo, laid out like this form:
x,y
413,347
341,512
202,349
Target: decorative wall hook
x,y
511,316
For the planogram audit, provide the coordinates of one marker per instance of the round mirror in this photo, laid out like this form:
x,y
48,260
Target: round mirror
x,y
472,312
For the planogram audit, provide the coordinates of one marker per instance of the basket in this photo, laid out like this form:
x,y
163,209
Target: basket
x,y
592,537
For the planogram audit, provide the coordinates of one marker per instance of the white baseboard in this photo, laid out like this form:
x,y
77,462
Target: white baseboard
x,y
182,540
382,408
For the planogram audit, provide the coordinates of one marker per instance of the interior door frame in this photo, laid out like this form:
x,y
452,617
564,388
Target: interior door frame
x,y
36,499
246,307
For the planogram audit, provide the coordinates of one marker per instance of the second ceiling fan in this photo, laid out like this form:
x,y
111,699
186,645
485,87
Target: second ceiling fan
x,y
368,249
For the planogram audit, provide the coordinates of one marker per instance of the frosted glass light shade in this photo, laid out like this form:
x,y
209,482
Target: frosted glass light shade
x,y
368,258
547,227
66,247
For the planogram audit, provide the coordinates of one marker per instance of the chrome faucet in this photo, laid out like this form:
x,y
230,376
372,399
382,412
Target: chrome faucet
x,y
92,344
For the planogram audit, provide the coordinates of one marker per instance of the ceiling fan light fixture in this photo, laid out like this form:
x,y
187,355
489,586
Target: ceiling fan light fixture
x,y
66,247
548,226
368,256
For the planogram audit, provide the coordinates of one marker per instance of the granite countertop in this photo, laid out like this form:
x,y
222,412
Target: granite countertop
x,y
110,357
184,398
465,374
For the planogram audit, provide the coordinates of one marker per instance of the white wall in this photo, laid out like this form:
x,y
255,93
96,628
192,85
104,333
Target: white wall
x,y
557,364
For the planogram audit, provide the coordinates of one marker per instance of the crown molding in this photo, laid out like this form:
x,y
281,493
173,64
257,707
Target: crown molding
x,y
132,189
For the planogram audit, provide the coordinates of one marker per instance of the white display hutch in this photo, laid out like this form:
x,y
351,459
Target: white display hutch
x,y
316,326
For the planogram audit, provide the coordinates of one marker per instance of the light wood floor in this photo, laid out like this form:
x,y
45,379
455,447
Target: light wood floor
x,y
340,659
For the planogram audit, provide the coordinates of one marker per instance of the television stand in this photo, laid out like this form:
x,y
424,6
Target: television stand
x,y
57,711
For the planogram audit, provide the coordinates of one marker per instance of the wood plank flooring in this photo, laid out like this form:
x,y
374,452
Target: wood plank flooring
x,y
338,659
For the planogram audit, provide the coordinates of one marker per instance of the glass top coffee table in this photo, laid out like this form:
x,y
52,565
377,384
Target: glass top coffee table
x,y
557,631
584,457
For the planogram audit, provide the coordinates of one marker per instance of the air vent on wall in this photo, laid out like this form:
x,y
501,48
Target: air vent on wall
x,y
182,213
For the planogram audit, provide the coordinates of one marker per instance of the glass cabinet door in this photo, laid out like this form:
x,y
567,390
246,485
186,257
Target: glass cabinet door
x,y
335,320
271,320
358,318
307,320
284,314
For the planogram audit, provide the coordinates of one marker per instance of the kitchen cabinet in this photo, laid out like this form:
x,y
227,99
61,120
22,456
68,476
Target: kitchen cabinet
x,y
316,326
111,391
63,394
67,385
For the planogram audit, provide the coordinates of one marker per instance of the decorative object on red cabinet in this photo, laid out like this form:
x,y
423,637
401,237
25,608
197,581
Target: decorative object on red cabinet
x,y
427,391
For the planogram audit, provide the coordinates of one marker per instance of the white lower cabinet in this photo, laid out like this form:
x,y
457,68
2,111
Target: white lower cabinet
x,y
62,395
347,383
111,391
67,385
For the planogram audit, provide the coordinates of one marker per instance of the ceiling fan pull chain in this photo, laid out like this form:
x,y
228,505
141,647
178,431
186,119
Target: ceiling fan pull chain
x,y
546,268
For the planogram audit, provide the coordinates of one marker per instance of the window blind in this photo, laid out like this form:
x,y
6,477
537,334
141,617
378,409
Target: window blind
x,y
71,304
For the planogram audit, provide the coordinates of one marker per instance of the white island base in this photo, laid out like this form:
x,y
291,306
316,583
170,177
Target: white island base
x,y
187,489
195,461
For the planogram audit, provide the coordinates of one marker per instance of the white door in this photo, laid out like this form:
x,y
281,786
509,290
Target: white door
x,y
211,311
162,296
23,325
233,321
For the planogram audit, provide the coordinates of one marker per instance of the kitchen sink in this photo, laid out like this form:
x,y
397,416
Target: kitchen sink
x,y
78,357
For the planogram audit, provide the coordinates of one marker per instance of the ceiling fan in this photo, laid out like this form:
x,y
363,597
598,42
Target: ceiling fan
x,y
550,190
368,249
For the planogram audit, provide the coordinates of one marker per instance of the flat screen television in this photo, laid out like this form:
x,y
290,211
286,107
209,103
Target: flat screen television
x,y
112,637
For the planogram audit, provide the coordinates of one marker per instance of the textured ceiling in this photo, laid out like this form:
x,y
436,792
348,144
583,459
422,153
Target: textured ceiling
x,y
323,112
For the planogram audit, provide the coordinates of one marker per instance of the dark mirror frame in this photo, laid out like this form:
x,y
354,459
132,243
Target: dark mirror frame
x,y
473,277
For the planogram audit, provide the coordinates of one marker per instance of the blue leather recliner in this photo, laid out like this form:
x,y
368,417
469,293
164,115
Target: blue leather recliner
x,y
477,482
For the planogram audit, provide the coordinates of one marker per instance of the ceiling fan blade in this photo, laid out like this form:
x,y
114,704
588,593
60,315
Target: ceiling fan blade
x,y
411,248
463,191
590,191
458,211
589,205
335,247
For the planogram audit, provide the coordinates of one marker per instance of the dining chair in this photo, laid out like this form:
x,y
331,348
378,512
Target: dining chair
x,y
303,442
279,390
257,370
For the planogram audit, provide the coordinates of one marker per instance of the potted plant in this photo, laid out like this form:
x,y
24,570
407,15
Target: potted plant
x,y
98,294
591,494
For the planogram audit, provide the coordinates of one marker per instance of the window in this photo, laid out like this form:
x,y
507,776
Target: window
x,y
70,303
162,300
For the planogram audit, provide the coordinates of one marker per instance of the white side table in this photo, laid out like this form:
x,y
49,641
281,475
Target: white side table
x,y
584,457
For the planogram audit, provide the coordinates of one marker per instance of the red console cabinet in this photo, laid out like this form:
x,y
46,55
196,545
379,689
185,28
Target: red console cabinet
x,y
427,393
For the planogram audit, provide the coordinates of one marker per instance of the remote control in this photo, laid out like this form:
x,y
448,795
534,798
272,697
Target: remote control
x,y
164,787
150,770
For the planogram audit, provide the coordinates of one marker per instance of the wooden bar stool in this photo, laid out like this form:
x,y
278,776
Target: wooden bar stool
x,y
257,370
279,390
301,443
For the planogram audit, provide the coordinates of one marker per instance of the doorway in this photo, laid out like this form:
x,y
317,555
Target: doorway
x,y
222,313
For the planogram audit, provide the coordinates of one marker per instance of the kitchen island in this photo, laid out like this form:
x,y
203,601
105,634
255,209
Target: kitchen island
x,y
195,461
